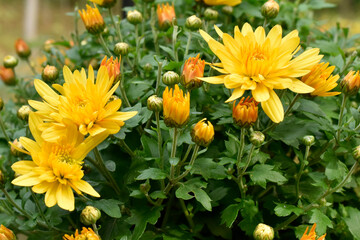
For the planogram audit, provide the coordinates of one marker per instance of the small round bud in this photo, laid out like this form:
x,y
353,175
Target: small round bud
x,y
1,104
10,61
2,180
263,232
356,153
134,17
228,10
22,49
211,14
148,67
154,103
121,48
7,75
170,78
90,215
354,104
50,74
145,188
257,138
270,9
203,133
308,140
6,234
23,112
14,149
193,23
48,45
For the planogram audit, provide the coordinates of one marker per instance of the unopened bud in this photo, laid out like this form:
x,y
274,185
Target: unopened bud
x,y
154,103
14,149
308,140
10,61
148,67
145,187
211,14
203,133
356,153
48,45
228,10
350,84
354,104
7,75
193,23
121,48
170,78
22,49
50,74
257,138
23,112
270,9
90,215
6,234
134,17
263,232
1,104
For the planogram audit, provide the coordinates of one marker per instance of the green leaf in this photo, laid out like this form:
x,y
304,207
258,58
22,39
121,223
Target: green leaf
x,y
321,220
251,216
283,210
208,169
261,174
335,169
141,217
109,206
229,215
151,173
353,221
174,161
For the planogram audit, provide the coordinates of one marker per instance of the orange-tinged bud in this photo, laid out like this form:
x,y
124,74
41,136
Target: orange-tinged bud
x,y
166,15
351,83
15,148
203,133
50,74
92,19
321,80
22,49
245,113
113,67
6,234
7,75
193,69
104,3
176,107
86,234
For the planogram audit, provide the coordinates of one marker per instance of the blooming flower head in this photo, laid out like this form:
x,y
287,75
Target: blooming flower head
x,y
321,80
259,63
92,19
55,168
104,3
22,49
203,133
193,69
86,234
312,234
83,102
176,107
6,234
222,2
351,83
166,14
245,113
113,67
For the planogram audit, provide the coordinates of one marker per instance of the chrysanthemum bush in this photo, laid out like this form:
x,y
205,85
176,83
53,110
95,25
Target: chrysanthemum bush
x,y
211,119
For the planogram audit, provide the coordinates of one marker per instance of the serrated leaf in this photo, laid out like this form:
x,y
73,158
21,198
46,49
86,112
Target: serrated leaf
x,y
141,217
321,220
109,206
283,210
353,221
261,174
151,173
229,215
208,169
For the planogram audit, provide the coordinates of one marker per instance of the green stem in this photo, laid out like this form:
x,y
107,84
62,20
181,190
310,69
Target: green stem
x,y
122,89
265,23
173,153
241,148
12,202
76,18
186,155
341,115
192,161
157,116
188,44
126,148
154,32
117,29
137,52
157,89
302,166
103,44
31,67
40,210
95,228
107,175
3,129
187,214
243,171
174,38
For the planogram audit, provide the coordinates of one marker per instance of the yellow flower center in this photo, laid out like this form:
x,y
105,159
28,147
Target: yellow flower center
x,y
258,56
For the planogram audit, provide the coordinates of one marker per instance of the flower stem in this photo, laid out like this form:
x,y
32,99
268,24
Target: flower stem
x,y
173,153
187,214
241,148
243,171
157,89
137,40
95,228
117,29
302,166
188,44
126,148
3,129
174,38
12,202
341,115
103,44
154,32
31,67
192,161
157,116
40,210
122,89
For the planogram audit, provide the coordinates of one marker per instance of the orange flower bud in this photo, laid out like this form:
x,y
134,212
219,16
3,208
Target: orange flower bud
x,y
351,83
203,133
6,234
166,15
245,113
176,107
193,69
22,49
7,75
113,67
92,19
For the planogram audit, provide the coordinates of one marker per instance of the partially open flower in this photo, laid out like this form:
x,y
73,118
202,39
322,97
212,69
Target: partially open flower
x,y
7,75
2,183
245,113
176,107
6,234
134,17
166,15
113,68
1,104
22,49
203,133
312,234
86,234
15,148
351,83
93,20
270,9
89,215
193,69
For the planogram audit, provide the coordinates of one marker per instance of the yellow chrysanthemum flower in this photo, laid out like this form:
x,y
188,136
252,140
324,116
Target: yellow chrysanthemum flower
x,y
86,233
321,80
176,107
92,19
55,168
253,61
222,2
312,234
83,102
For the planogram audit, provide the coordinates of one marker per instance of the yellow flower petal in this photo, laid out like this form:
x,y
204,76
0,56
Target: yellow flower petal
x,y
273,107
65,197
238,92
261,93
86,188
300,87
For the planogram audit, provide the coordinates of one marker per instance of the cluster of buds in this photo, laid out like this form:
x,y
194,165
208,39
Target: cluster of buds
x,y
10,61
134,17
193,70
93,21
351,83
121,49
245,113
23,112
176,107
154,103
170,78
263,232
166,15
7,75
270,9
50,74
193,23
203,133
113,68
22,49
90,215
6,233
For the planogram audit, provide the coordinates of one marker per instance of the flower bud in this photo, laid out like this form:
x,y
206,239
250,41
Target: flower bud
x,y
193,23
90,215
14,149
176,107
50,74
192,71
257,138
356,153
134,17
203,133
148,67
113,68
48,45
308,140
351,83
23,112
145,187
10,61
170,78
121,48
245,113
93,21
1,104
166,15
6,234
228,10
154,103
22,49
263,232
7,75
211,14
354,104
270,9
